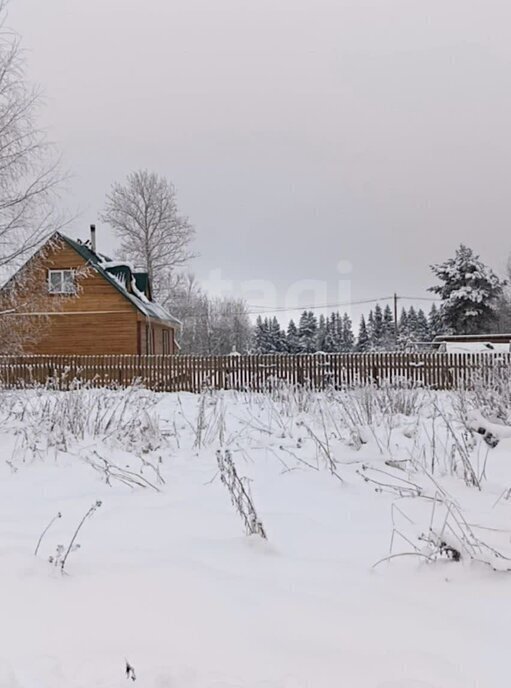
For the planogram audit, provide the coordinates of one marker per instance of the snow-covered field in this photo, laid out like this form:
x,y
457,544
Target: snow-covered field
x,y
166,578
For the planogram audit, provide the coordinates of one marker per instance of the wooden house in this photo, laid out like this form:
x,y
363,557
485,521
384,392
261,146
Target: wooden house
x,y
104,306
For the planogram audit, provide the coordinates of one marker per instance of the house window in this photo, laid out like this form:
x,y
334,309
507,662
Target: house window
x,y
61,282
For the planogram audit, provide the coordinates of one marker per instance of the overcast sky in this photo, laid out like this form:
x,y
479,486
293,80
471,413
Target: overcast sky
x,y
299,133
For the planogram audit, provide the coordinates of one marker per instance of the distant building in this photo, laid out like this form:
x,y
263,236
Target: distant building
x,y
473,343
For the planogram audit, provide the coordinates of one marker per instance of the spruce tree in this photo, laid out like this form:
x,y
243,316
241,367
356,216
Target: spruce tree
x,y
469,291
277,338
292,338
307,330
332,344
370,329
348,339
403,329
435,324
321,334
377,330
363,342
422,327
261,336
413,325
389,330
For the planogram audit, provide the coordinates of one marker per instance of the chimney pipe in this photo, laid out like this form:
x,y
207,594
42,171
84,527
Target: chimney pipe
x,y
93,237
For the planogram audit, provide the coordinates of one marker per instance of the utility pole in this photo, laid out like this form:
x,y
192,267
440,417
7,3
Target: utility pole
x,y
396,327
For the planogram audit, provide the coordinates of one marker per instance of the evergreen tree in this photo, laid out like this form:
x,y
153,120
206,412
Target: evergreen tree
x,y
321,334
435,324
403,329
377,328
332,343
276,337
413,325
261,336
292,338
307,330
469,291
370,329
363,342
348,339
389,330
422,327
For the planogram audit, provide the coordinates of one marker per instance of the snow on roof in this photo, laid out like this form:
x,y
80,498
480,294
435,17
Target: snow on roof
x,y
121,275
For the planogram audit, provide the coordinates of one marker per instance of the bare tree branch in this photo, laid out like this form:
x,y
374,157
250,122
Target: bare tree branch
x,y
153,234
29,171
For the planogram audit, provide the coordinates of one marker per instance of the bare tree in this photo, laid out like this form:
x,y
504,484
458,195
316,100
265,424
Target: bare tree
x,y
24,312
29,181
29,174
143,212
210,326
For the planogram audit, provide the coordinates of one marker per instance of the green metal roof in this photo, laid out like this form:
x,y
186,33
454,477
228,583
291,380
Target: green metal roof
x,y
142,282
134,286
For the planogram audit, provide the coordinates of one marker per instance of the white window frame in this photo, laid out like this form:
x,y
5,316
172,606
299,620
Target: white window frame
x,y
61,289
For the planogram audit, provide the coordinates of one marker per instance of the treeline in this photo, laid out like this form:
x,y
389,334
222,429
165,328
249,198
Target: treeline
x,y
472,299
334,333
210,325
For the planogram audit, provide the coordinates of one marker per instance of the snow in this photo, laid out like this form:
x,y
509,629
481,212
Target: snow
x,y
107,263
168,580
140,295
477,347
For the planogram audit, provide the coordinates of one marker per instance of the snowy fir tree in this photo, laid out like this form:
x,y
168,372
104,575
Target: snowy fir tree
x,y
277,337
347,339
370,329
412,325
332,337
403,333
269,337
307,330
261,336
321,333
376,334
292,338
389,330
469,291
363,342
422,328
435,324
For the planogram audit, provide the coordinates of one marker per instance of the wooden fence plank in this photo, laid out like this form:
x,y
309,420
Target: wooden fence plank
x,y
193,373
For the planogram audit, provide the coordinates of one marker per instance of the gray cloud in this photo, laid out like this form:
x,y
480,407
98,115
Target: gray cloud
x,y
298,132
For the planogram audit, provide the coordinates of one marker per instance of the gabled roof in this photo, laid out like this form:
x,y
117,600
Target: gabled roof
x,y
134,286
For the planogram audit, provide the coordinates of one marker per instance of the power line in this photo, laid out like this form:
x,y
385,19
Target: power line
x,y
278,309
264,309
283,309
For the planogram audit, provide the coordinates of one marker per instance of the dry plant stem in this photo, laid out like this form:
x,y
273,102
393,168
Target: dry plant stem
x,y
89,513
300,460
240,498
461,450
401,554
55,518
324,447
125,476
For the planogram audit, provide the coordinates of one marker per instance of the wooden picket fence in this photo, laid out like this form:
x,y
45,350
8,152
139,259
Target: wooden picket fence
x,y
251,372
